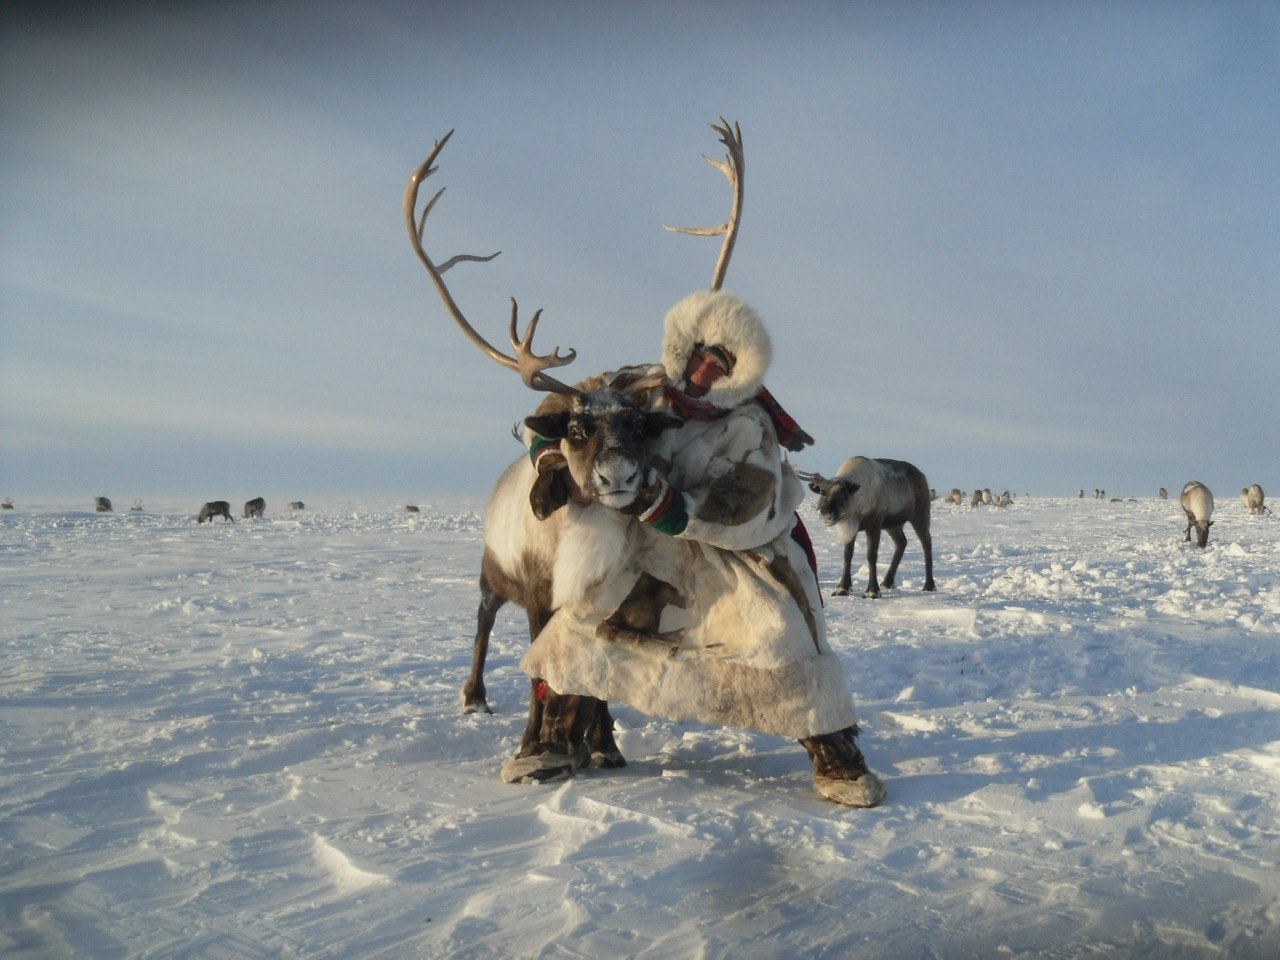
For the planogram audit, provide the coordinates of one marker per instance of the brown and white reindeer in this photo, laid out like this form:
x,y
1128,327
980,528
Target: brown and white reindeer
x,y
537,554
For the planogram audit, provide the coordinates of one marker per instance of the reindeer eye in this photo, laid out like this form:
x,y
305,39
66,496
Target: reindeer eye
x,y
579,430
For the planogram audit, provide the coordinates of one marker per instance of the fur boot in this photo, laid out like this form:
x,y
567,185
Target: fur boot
x,y
840,771
562,745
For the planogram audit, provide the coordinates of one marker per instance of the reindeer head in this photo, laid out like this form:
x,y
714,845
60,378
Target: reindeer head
x,y
604,433
834,496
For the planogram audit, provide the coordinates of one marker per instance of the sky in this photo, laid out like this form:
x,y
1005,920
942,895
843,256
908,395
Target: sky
x,y
1027,246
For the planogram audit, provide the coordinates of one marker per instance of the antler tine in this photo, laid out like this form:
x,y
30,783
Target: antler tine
x,y
734,169
530,364
527,363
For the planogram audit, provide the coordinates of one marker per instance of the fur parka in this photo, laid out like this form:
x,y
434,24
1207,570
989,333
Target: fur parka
x,y
721,622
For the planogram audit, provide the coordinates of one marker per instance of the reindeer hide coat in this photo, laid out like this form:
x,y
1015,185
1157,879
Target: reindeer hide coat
x,y
721,622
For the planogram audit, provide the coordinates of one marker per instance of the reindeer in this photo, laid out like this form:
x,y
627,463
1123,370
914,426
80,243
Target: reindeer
x,y
102,504
536,553
1197,504
215,508
875,495
1255,500
255,507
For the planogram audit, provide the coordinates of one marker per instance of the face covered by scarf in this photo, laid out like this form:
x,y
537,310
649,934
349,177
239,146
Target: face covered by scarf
x,y
707,365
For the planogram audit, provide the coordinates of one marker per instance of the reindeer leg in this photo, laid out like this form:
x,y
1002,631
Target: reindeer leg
x,y
873,548
537,690
842,588
473,693
899,547
926,543
604,749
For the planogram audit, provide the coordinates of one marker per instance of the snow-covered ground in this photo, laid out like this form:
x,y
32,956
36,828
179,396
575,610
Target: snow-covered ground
x,y
245,741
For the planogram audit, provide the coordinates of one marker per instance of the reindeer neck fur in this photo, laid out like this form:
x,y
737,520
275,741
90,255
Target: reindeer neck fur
x,y
578,547
594,543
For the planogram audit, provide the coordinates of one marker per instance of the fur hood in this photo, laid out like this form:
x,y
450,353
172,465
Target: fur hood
x,y
721,319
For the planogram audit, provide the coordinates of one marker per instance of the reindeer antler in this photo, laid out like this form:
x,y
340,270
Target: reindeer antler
x,y
528,364
813,479
734,168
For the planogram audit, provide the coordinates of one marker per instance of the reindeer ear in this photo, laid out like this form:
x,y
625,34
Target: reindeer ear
x,y
552,426
657,423
550,492
850,486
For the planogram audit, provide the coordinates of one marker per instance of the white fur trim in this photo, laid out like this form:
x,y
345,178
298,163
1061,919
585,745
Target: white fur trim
x,y
715,317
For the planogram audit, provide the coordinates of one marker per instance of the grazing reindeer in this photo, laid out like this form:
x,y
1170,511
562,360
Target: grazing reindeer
x,y
102,504
255,507
215,508
535,553
1255,500
875,495
1197,504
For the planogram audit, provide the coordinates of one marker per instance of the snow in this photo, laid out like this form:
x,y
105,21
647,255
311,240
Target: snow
x,y
246,741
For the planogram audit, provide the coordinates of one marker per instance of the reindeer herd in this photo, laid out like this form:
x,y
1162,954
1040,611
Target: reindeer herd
x,y
547,540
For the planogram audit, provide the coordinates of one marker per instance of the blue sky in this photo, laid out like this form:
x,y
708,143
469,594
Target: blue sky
x,y
1032,246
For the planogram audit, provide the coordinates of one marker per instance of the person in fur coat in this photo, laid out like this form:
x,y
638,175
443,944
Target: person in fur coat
x,y
716,616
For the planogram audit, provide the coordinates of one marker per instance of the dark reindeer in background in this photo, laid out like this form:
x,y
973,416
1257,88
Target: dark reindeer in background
x,y
255,507
215,508
604,427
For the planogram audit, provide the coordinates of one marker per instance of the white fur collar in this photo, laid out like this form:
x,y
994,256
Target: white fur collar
x,y
715,317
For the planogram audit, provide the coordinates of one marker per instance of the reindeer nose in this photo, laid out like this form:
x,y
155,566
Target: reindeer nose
x,y
612,473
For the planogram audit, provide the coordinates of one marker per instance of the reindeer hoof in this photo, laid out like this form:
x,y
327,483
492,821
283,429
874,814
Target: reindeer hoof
x,y
929,587
840,592
474,701
608,759
872,594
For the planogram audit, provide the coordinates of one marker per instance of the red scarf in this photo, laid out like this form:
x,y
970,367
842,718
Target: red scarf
x,y
790,435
